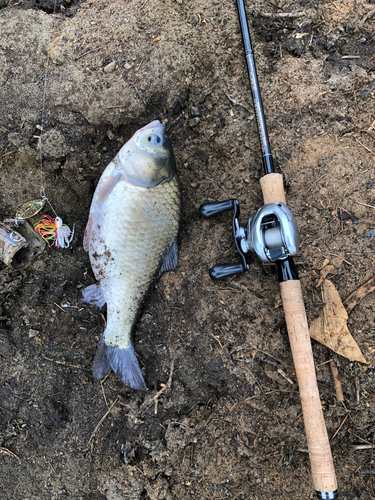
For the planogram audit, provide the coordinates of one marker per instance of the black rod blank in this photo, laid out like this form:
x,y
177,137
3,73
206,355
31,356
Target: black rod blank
x,y
261,120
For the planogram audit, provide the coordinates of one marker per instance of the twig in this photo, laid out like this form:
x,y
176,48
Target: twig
x,y
283,374
367,16
105,399
164,388
65,364
116,106
221,187
245,289
357,390
372,450
313,184
364,204
57,305
102,420
85,54
238,103
368,149
364,447
256,194
10,152
140,95
342,423
140,64
337,381
359,294
5,451
217,340
281,14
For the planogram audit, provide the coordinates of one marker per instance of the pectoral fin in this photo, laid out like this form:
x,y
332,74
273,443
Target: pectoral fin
x,y
171,259
108,185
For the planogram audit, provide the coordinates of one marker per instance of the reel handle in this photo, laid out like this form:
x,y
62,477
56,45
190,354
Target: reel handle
x,y
210,209
220,271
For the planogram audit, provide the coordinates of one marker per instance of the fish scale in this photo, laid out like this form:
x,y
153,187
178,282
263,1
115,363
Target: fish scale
x,y
156,210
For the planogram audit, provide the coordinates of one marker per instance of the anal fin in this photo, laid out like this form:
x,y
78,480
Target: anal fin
x,y
93,294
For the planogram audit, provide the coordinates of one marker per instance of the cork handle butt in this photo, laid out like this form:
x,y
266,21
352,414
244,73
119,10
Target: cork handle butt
x,y
317,438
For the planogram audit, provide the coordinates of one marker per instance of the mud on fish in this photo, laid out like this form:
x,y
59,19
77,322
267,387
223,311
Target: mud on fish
x,y
131,237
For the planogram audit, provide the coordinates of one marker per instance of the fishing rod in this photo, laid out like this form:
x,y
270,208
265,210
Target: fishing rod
x,y
272,234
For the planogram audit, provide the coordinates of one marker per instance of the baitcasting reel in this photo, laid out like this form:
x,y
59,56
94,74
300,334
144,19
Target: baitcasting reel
x,y
271,233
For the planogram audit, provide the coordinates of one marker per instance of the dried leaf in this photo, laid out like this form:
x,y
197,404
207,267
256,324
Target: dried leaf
x,y
324,273
358,295
330,266
330,328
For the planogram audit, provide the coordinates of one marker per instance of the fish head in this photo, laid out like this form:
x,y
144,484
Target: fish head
x,y
148,159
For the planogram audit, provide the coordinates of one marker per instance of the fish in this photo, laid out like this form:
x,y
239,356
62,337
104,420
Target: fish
x,y
131,237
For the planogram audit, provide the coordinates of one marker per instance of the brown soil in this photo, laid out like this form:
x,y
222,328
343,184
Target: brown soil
x,y
230,426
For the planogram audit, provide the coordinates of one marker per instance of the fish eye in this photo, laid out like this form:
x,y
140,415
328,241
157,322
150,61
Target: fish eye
x,y
154,139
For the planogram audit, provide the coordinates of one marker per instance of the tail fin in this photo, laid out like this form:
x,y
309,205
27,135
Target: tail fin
x,y
122,361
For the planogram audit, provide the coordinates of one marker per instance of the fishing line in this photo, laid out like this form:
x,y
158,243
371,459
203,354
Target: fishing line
x,y
58,233
52,230
42,189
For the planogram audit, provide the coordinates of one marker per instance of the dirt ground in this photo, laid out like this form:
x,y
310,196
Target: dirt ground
x,y
230,425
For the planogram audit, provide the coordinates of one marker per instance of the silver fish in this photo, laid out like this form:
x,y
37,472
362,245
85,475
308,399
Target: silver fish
x,y
131,237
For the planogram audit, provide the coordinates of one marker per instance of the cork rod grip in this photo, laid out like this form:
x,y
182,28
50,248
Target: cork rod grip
x,y
273,188
317,439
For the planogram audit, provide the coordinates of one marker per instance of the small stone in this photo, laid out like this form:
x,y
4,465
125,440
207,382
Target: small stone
x,y
194,184
33,333
363,40
39,265
194,122
370,234
15,139
128,66
54,144
194,111
59,291
110,67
